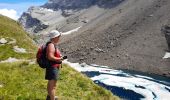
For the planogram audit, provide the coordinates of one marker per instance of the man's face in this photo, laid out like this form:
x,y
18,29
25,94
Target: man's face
x,y
56,39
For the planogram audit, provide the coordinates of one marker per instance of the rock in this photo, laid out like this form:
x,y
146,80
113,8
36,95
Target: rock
x,y
120,10
105,58
1,86
73,20
98,50
32,24
151,15
94,58
32,62
12,42
91,48
40,27
85,21
19,50
10,60
83,64
166,30
3,41
81,59
164,74
67,13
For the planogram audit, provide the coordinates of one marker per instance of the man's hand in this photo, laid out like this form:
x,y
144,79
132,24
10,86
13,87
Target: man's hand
x,y
64,57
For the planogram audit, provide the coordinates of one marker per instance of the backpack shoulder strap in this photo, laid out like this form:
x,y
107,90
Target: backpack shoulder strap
x,y
49,43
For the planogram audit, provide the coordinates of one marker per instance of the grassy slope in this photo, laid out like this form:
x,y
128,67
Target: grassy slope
x,y
22,81
10,29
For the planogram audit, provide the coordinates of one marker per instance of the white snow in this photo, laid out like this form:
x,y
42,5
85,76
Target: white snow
x,y
45,9
71,31
167,55
111,77
19,50
50,10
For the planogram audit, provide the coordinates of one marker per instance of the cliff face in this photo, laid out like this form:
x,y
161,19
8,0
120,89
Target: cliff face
x,y
32,24
80,4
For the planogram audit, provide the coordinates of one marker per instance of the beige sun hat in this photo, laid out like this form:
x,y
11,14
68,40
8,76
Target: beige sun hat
x,y
54,33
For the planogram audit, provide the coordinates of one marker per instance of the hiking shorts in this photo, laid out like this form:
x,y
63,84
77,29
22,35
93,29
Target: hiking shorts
x,y
52,73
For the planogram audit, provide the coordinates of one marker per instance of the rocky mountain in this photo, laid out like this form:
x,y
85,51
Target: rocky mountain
x,y
123,34
63,15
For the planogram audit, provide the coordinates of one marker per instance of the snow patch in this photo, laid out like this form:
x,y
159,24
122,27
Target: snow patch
x,y
152,89
167,55
71,31
19,50
45,9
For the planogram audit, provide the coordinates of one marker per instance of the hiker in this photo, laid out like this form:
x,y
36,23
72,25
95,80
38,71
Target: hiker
x,y
52,72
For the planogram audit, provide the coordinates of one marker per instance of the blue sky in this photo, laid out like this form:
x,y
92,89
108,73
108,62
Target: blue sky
x,y
19,1
14,8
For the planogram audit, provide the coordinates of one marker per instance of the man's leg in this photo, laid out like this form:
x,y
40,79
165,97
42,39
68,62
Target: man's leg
x,y
51,88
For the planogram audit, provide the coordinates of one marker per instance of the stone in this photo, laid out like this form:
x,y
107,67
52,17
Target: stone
x,y
98,50
151,15
166,31
3,41
85,21
12,42
1,86
10,60
19,50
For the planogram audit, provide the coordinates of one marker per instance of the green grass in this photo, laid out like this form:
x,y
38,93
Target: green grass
x,y
75,86
10,29
22,81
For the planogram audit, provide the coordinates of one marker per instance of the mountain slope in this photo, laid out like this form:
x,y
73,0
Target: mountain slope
x,y
125,34
23,80
13,33
63,15
126,37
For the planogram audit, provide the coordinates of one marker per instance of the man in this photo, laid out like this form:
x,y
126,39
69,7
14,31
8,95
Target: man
x,y
55,59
